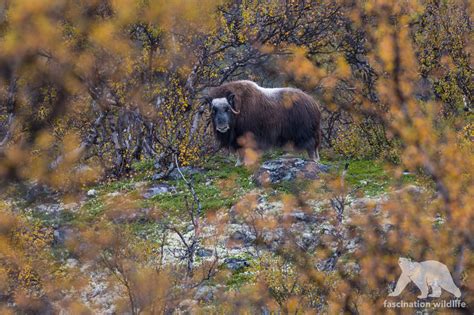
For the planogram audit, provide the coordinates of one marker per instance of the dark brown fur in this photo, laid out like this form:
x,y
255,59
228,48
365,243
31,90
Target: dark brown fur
x,y
287,116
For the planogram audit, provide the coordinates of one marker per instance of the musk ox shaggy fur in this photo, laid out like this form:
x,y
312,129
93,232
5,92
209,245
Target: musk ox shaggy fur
x,y
272,117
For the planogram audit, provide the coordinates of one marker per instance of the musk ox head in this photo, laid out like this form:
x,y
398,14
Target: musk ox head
x,y
223,112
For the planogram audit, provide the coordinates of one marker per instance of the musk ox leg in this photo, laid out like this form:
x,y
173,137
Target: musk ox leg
x,y
240,158
314,154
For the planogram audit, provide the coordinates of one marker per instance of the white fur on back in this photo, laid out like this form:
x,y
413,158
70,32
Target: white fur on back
x,y
270,92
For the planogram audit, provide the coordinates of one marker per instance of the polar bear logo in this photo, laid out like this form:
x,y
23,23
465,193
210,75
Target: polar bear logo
x,y
425,274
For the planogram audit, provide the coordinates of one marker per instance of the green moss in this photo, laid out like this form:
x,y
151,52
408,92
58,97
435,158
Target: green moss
x,y
124,185
151,231
52,218
221,184
240,278
208,187
144,166
209,196
144,170
368,176
291,187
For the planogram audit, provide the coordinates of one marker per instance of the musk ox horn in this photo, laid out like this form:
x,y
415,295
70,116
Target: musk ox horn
x,y
234,111
231,100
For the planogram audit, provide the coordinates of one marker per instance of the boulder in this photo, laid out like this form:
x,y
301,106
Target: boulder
x,y
204,252
205,293
187,306
239,235
236,263
63,233
288,169
91,193
35,192
300,216
159,189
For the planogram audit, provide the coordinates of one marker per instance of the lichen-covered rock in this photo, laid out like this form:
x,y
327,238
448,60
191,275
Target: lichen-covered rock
x,y
159,189
187,306
205,293
234,263
204,252
50,208
98,294
288,169
63,233
92,193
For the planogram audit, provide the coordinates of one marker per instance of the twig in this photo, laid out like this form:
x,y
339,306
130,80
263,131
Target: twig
x,y
192,244
193,192
338,203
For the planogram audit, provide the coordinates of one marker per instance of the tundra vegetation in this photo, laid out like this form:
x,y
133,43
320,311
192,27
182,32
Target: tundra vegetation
x,y
115,197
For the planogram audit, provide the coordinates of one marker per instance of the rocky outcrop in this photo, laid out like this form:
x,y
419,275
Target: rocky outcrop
x,y
234,238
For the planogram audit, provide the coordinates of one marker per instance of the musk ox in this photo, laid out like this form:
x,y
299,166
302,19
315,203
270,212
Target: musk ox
x,y
273,117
